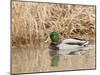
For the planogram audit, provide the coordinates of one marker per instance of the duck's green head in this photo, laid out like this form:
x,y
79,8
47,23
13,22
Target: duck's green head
x,y
54,36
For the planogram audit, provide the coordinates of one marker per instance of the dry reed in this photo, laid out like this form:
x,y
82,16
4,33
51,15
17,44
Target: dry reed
x,y
33,22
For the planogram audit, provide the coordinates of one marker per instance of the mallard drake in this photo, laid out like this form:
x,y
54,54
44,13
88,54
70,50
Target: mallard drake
x,y
66,44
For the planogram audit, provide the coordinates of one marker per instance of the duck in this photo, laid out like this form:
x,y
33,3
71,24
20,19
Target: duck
x,y
66,44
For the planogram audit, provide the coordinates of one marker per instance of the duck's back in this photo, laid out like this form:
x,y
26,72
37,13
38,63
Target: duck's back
x,y
71,40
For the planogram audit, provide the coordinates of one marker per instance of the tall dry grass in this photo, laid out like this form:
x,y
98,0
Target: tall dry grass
x,y
32,23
